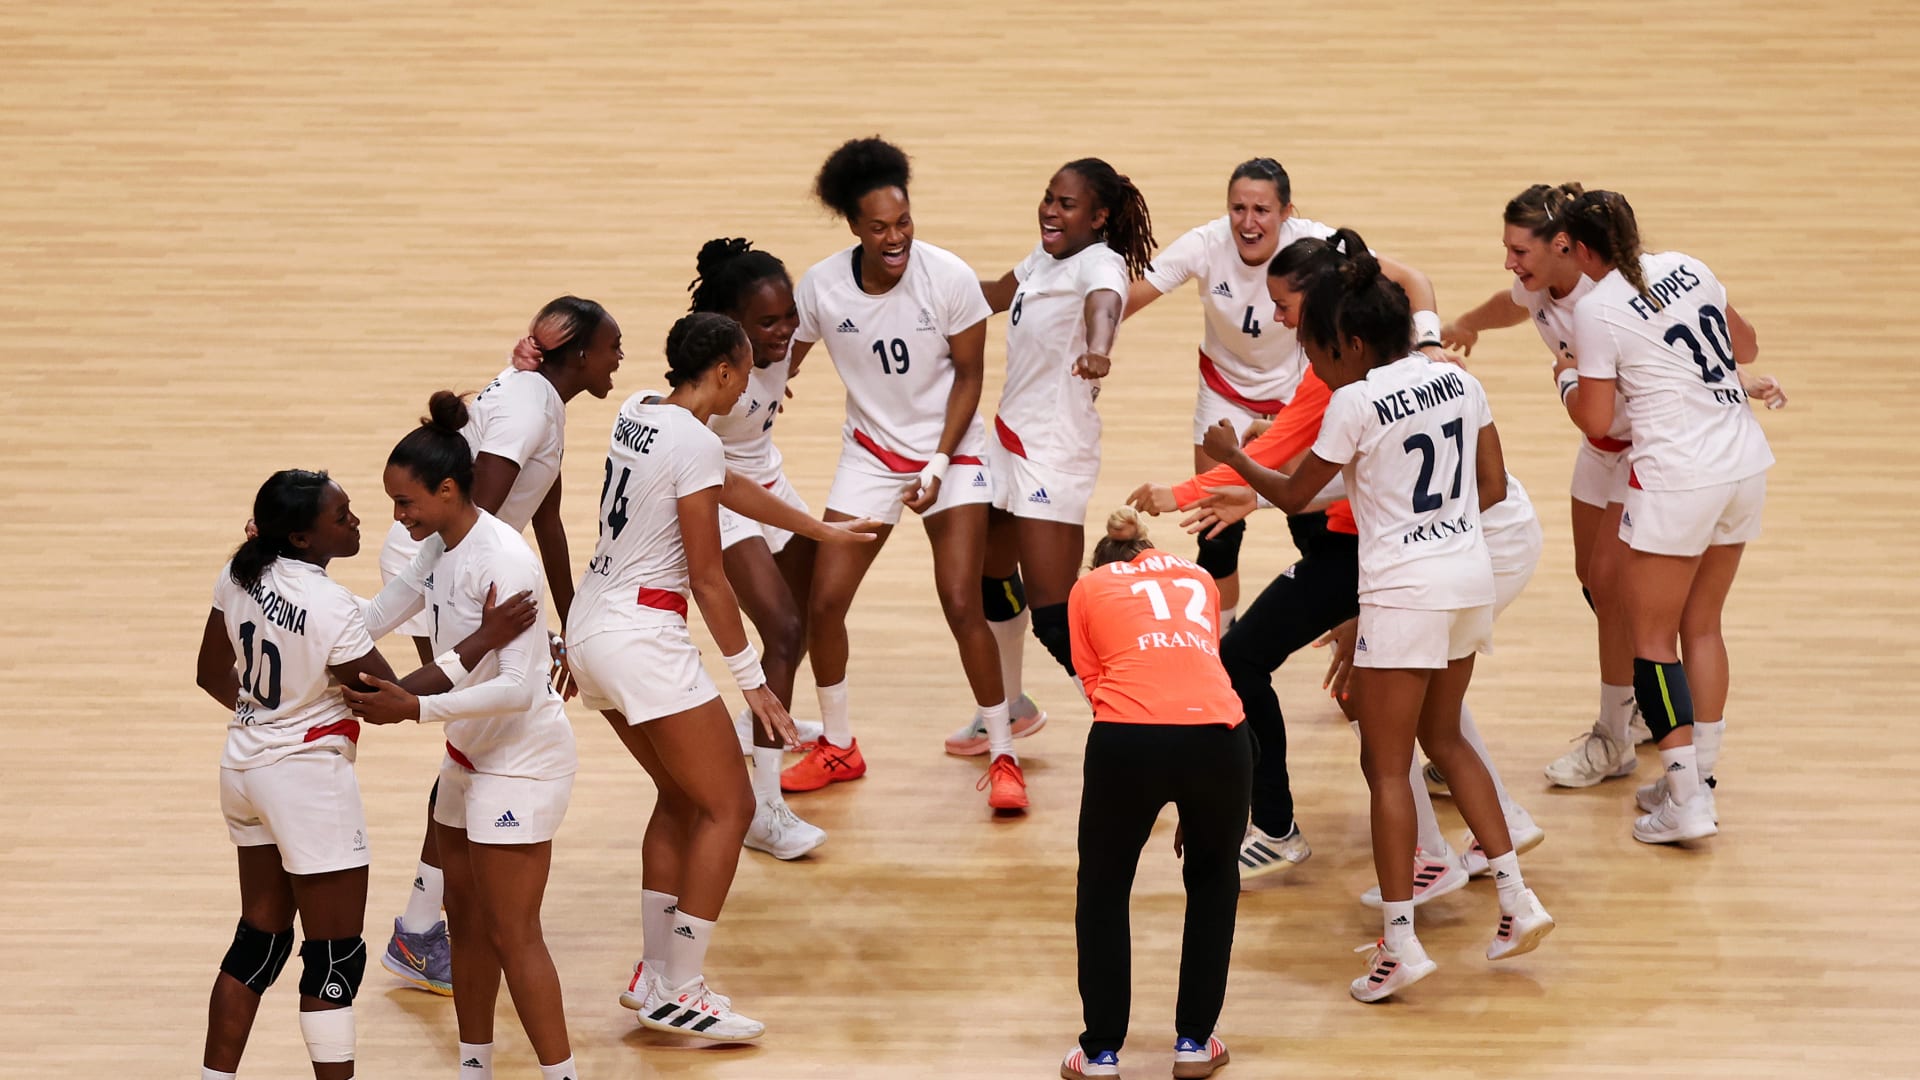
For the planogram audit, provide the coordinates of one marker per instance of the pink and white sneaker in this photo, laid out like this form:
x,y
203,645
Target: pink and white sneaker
x,y
635,995
1433,877
970,741
1389,972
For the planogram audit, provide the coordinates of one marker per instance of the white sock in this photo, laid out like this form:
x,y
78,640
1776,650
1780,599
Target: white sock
x,y
1428,837
999,731
209,1074
423,904
1397,915
1706,745
687,948
1227,616
562,1071
1683,773
1472,734
833,714
1616,710
1011,636
766,774
1507,879
656,927
476,1061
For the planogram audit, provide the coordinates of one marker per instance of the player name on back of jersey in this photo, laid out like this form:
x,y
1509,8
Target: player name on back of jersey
x,y
634,435
278,610
1401,404
1664,291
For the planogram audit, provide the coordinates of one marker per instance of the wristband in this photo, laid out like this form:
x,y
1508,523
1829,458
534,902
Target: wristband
x,y
449,662
1567,381
1426,328
745,666
935,469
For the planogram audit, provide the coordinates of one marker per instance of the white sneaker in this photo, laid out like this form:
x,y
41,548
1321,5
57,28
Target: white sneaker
x,y
1436,780
971,740
1261,854
635,995
810,730
1637,730
1389,972
1526,836
779,832
1595,757
694,1010
1433,876
1674,822
1521,930
1195,1060
1649,797
1078,1066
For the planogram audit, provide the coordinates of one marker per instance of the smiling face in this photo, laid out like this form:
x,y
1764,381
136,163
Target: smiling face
x,y
730,377
770,317
335,532
602,359
1540,264
884,227
1070,217
419,511
1255,214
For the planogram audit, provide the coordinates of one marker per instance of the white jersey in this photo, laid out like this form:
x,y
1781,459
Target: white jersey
x,y
294,624
1259,359
638,575
1045,408
1692,427
520,417
503,717
746,433
891,350
1408,436
1553,318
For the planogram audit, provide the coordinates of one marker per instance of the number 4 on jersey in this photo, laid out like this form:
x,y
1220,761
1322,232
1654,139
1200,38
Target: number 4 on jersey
x,y
1249,325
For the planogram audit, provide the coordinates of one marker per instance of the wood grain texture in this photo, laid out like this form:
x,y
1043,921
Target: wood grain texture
x,y
240,237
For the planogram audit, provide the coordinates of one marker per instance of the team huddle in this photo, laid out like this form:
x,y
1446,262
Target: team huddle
x,y
1326,389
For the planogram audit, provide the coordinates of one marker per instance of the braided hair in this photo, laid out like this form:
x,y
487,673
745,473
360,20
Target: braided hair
x,y
698,343
1604,222
728,271
1355,300
1129,229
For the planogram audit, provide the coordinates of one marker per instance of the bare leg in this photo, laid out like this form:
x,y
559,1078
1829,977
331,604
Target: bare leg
x,y
266,904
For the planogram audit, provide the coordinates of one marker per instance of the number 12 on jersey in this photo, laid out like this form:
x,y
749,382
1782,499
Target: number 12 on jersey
x,y
1196,612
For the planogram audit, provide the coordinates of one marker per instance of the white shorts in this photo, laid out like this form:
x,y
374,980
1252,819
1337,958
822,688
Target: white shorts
x,y
494,809
1687,523
737,527
641,673
1210,407
1026,488
1516,554
395,556
1405,638
307,804
1600,476
864,489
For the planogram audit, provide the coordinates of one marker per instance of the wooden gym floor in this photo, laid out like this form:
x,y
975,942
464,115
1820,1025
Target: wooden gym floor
x,y
240,237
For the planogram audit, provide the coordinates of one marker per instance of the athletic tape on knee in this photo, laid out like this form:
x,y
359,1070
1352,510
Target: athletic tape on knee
x,y
256,956
1665,700
1587,595
1220,556
329,1034
1003,598
1050,626
331,970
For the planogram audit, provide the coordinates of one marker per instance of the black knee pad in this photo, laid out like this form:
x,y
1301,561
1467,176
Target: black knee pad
x,y
1665,700
1050,626
331,970
1003,598
1587,595
1220,556
256,956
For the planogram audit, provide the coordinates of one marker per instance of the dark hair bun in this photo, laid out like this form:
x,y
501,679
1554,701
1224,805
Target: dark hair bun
x,y
446,410
1364,269
715,254
698,342
856,168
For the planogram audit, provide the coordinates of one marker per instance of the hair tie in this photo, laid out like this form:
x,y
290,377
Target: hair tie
x,y
527,354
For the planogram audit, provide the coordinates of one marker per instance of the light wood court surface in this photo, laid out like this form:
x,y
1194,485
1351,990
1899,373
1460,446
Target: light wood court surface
x,y
242,237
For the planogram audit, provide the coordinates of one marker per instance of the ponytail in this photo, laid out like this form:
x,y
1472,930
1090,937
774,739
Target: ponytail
x,y
1604,222
1357,300
728,269
436,451
560,334
286,504
1129,227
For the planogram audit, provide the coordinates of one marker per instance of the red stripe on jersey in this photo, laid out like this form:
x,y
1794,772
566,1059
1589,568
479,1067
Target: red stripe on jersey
x,y
1633,479
898,462
459,758
662,599
1218,384
348,727
1007,438
1611,446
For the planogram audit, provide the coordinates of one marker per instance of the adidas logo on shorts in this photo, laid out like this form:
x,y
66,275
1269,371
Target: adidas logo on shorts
x,y
846,327
506,821
1222,290
1360,645
683,931
979,478
1040,497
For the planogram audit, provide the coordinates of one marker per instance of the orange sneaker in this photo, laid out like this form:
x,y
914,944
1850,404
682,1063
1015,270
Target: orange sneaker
x,y
1008,784
824,764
